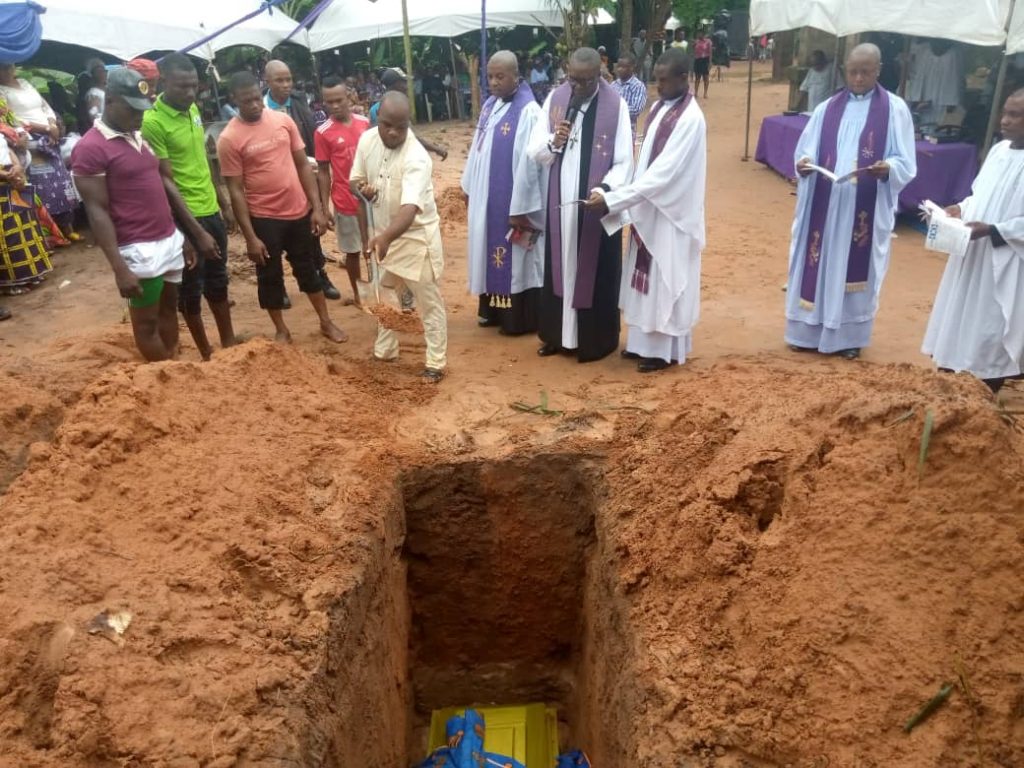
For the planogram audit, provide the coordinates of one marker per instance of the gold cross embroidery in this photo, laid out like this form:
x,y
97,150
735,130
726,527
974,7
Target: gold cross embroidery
x,y
860,234
505,129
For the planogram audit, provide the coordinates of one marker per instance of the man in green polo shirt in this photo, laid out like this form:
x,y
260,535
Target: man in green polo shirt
x,y
174,131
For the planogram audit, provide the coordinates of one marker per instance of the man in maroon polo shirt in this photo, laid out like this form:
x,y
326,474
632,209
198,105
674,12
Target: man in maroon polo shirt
x,y
129,207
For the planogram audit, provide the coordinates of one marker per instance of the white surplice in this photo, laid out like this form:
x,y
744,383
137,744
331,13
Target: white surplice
x,y
936,79
527,200
618,174
977,323
665,204
841,320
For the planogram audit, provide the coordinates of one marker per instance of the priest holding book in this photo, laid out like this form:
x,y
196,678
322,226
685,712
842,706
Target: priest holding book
x,y
842,231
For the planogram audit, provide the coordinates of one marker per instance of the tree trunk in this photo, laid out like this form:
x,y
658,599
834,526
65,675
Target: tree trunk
x,y
626,44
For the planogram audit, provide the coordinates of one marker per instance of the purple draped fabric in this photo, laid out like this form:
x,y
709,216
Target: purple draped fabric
x,y
499,194
602,155
871,149
640,280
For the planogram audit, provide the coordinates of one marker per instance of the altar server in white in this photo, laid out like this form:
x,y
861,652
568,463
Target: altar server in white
x,y
660,292
977,323
842,232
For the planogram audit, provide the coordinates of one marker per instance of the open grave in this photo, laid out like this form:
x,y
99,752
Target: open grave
x,y
726,580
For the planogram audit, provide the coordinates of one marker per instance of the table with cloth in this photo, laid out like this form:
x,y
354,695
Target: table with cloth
x,y
945,172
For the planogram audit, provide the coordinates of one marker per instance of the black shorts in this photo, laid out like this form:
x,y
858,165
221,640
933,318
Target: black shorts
x,y
701,67
208,278
295,239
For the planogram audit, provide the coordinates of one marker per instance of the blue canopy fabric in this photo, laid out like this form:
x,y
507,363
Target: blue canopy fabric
x,y
21,32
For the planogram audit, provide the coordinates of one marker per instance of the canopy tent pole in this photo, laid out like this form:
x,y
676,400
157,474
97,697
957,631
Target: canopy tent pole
x,y
483,49
267,5
750,91
455,80
410,88
997,94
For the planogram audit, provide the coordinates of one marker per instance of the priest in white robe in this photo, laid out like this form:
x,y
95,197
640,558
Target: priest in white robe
x,y
504,191
585,142
660,292
977,323
842,231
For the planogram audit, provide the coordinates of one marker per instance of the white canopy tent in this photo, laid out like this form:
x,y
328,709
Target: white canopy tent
x,y
975,22
353,21
1015,29
128,28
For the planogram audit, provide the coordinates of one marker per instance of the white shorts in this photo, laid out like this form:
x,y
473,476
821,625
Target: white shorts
x,y
160,258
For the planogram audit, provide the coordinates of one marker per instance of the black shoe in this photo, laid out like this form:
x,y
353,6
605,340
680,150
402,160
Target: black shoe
x,y
547,350
627,355
432,375
651,364
485,322
286,303
849,354
330,292
795,348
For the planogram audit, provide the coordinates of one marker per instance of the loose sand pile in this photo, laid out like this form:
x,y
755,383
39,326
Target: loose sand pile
x,y
451,206
755,578
395,319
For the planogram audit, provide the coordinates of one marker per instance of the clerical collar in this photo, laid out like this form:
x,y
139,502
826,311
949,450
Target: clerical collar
x,y
861,96
671,102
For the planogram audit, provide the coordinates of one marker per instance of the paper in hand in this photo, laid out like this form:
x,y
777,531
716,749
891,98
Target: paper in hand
x,y
831,176
945,233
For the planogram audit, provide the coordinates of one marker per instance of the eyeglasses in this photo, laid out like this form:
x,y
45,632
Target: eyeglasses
x,y
582,82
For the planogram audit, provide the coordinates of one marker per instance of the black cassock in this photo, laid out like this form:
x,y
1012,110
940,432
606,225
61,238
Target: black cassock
x,y
597,327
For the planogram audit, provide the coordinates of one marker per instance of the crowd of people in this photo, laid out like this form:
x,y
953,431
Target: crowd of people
x,y
549,186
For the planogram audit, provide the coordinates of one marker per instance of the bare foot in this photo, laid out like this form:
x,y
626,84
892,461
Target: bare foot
x,y
333,332
283,337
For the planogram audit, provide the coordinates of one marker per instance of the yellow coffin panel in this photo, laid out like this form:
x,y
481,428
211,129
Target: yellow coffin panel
x,y
528,733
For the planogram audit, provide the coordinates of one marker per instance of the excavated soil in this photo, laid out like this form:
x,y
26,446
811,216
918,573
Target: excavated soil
x,y
451,206
719,580
749,562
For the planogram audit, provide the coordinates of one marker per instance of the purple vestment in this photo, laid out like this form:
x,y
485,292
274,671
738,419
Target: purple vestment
x,y
871,149
602,155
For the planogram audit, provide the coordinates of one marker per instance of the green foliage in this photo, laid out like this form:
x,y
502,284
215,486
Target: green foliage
x,y
298,9
39,77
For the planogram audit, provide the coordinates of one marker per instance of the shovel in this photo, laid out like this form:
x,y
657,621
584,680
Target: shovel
x,y
387,310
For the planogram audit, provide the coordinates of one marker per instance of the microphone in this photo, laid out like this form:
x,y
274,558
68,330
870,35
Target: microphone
x,y
570,114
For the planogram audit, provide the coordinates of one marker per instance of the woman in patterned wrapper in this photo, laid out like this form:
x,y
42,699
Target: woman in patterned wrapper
x,y
49,176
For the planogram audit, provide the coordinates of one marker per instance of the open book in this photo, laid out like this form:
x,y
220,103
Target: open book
x,y
831,176
945,234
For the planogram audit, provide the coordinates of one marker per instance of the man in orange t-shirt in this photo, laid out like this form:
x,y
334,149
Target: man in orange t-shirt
x,y
263,160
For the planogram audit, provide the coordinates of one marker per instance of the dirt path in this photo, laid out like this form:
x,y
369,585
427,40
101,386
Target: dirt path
x,y
747,562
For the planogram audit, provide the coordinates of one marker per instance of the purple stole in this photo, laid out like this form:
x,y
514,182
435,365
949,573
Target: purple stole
x,y
499,194
640,280
872,147
602,154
